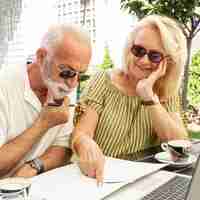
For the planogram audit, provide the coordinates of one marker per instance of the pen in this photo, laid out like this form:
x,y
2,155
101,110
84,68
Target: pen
x,y
100,183
72,105
145,158
113,181
59,102
56,104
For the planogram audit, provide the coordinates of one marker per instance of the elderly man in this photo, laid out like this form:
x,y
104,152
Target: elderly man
x,y
34,123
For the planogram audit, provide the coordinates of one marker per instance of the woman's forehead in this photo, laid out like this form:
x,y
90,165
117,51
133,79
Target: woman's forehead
x,y
149,37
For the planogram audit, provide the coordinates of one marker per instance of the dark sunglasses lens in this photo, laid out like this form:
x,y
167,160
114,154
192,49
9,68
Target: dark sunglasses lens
x,y
155,57
138,51
65,74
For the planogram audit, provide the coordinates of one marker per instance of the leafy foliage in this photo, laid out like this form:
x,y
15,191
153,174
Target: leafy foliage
x,y
107,62
83,79
182,10
187,12
194,80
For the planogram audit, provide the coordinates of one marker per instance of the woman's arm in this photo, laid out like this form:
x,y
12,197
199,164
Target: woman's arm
x,y
166,125
91,158
85,127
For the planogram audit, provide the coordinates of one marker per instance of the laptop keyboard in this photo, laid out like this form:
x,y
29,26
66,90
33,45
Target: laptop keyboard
x,y
174,189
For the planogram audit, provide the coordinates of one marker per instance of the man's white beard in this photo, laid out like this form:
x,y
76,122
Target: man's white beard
x,y
56,90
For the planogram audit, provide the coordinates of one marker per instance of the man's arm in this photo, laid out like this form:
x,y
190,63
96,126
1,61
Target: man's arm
x,y
54,157
14,150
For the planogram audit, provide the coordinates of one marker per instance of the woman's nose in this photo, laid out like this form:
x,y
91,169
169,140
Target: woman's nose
x,y
146,63
144,59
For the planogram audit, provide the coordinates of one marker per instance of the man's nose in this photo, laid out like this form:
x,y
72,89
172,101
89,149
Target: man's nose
x,y
72,82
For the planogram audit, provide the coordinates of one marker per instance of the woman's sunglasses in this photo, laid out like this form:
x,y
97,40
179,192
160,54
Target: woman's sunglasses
x,y
154,56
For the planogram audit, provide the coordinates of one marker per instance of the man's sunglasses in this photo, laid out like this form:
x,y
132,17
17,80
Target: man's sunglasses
x,y
68,73
154,56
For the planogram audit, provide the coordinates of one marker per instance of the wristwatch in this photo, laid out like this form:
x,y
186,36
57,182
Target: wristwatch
x,y
149,103
153,101
37,164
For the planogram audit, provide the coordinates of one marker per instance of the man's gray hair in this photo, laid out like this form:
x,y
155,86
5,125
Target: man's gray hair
x,y
56,33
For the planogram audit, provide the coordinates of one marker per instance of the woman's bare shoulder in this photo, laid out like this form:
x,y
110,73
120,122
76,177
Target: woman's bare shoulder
x,y
116,75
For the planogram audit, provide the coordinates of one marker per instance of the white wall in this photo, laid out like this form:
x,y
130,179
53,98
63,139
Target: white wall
x,y
36,16
112,28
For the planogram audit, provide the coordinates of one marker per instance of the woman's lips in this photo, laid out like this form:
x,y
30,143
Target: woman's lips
x,y
144,70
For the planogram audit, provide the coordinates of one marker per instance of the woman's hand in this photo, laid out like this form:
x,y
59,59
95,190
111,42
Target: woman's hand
x,y
144,88
91,158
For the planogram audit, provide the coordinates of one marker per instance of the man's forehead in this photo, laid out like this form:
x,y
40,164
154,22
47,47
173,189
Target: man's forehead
x,y
73,62
76,57
77,68
72,48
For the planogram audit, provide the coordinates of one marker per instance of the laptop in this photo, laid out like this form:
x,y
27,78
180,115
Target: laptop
x,y
178,187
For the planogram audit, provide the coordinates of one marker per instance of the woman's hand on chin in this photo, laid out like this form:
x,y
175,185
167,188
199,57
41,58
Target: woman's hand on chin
x,y
144,87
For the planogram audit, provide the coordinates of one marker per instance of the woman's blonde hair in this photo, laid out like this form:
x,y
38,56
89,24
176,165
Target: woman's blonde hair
x,y
174,44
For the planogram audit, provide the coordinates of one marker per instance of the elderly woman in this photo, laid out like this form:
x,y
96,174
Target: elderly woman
x,y
134,108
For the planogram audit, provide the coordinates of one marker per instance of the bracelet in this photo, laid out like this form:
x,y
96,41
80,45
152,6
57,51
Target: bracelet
x,y
76,139
37,164
149,103
154,101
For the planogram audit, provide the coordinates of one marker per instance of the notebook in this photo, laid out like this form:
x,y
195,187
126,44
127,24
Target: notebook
x,y
69,183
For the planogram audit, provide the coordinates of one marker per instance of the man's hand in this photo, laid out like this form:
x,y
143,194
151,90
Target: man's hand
x,y
25,171
91,158
144,87
52,116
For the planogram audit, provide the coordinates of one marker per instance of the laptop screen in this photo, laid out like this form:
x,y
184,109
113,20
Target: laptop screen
x,y
193,191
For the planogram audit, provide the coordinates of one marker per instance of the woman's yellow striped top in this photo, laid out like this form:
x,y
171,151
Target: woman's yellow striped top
x,y
124,125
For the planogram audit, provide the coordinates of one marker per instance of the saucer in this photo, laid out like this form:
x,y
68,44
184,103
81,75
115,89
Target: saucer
x,y
165,157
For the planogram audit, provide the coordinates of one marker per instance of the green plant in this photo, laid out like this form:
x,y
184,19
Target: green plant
x,y
194,134
82,82
107,61
194,80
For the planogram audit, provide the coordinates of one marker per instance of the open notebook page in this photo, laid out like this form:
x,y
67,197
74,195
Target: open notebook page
x,y
69,183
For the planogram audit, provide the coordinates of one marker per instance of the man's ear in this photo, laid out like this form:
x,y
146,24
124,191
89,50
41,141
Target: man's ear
x,y
40,55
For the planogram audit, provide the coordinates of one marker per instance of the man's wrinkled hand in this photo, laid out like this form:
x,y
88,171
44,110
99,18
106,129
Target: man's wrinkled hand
x,y
55,115
25,171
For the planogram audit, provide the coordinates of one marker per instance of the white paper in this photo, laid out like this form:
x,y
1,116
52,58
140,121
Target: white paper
x,y
117,170
69,183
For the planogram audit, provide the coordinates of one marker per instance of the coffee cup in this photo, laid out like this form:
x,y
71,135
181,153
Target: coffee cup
x,y
178,148
15,188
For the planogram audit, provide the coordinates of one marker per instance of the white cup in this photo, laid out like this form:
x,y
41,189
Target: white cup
x,y
15,188
179,148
